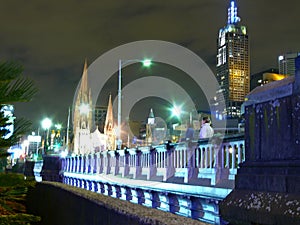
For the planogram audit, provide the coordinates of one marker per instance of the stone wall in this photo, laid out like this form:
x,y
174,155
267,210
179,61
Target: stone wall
x,y
60,204
267,184
272,140
273,130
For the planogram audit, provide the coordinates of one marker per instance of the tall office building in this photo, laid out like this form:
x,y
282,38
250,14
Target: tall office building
x,y
286,63
233,65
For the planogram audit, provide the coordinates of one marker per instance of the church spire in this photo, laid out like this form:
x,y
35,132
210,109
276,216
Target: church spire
x,y
232,13
109,117
151,118
84,81
82,119
109,127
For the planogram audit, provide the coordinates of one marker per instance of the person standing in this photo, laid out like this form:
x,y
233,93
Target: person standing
x,y
206,130
189,134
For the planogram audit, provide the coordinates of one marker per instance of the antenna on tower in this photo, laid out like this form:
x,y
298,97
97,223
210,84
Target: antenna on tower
x,y
232,13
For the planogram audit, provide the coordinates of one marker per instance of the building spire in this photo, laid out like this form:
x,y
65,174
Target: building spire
x,y
151,118
232,13
109,117
84,81
151,114
109,127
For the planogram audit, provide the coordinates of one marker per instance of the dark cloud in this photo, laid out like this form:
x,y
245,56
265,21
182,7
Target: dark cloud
x,y
52,38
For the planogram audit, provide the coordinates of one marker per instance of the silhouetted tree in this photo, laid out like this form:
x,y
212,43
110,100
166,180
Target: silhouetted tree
x,y
14,87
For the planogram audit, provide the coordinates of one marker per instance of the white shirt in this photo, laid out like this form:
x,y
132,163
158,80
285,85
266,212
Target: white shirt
x,y
206,131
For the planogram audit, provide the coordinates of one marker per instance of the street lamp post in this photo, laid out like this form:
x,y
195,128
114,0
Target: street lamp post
x,y
177,112
146,63
46,124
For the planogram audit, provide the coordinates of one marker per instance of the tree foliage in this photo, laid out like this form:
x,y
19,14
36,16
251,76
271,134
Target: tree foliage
x,y
14,87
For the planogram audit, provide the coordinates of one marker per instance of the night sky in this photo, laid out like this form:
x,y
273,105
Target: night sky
x,y
51,39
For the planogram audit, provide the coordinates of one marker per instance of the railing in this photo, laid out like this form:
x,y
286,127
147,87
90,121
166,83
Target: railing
x,y
210,165
186,161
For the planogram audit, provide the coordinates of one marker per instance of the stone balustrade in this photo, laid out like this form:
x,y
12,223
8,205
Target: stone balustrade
x,y
181,162
188,178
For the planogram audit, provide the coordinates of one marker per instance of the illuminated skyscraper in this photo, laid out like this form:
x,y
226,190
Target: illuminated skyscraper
x,y
233,64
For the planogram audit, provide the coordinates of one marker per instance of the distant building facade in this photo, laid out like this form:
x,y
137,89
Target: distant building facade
x,y
100,116
233,65
287,63
264,77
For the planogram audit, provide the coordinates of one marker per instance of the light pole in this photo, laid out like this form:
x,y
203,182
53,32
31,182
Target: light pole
x,y
46,124
177,112
146,63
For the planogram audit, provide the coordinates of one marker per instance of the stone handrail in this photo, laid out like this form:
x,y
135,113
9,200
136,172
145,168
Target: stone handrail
x,y
188,161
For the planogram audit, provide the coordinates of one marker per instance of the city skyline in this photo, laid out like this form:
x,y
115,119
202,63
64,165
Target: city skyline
x,y
51,40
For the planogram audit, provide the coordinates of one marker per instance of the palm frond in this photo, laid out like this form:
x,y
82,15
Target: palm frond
x,y
9,71
20,90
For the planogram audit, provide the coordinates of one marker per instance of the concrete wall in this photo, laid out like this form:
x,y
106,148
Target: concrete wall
x,y
60,204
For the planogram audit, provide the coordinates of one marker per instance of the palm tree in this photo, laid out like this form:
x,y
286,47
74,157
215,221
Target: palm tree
x,y
14,87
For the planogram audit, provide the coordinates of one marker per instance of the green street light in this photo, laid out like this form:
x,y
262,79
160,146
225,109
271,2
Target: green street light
x,y
58,126
46,124
176,111
147,62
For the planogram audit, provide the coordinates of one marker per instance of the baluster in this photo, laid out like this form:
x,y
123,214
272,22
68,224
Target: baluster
x,y
184,158
67,163
117,163
211,158
96,163
239,153
70,164
234,157
101,163
168,160
244,153
82,166
108,163
126,163
223,149
91,166
201,157
174,158
87,163
227,155
177,158
197,157
159,160
206,157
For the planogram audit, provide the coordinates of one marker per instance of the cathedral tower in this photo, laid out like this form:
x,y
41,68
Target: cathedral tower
x,y
82,121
